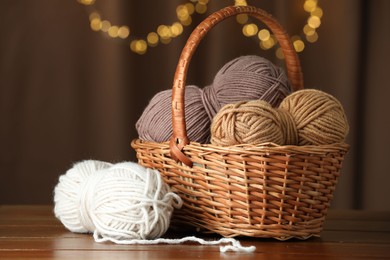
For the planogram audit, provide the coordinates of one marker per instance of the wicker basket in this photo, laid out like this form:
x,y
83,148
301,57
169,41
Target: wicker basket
x,y
262,190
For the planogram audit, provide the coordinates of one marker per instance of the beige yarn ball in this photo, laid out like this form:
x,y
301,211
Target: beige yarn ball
x,y
319,117
252,122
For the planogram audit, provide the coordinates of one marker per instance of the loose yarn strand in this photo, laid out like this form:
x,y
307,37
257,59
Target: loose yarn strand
x,y
234,246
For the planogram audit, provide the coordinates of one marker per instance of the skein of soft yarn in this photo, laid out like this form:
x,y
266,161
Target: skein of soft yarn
x,y
251,122
121,201
306,117
242,79
155,123
319,117
67,193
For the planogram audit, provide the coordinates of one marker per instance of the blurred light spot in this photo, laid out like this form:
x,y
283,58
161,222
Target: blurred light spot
x,y
182,12
242,18
165,40
86,2
164,31
200,8
312,38
264,35
250,29
152,39
190,8
187,22
113,31
268,44
279,53
310,5
176,29
299,45
317,12
240,3
138,46
94,15
307,30
105,26
96,24
314,22
123,32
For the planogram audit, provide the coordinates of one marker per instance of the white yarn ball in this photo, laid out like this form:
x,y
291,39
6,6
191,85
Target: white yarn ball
x,y
66,193
121,202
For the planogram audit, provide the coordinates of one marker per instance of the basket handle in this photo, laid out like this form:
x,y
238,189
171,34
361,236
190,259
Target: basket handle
x,y
179,138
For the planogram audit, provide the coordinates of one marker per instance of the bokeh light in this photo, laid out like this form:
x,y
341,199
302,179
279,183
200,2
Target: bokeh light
x,y
184,12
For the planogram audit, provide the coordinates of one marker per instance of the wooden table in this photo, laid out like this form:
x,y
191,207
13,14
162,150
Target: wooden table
x,y
32,232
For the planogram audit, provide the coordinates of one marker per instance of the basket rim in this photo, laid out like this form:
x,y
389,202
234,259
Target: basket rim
x,y
264,148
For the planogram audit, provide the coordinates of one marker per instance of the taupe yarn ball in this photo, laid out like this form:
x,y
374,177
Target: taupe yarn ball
x,y
319,117
252,122
155,123
246,78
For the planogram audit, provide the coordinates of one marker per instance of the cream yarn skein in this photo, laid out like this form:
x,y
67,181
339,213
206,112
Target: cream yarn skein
x,y
123,201
66,193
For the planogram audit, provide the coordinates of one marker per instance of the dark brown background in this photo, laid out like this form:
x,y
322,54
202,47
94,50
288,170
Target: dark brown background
x,y
69,94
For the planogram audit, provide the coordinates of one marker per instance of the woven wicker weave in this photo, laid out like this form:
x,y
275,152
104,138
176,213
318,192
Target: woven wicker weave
x,y
250,190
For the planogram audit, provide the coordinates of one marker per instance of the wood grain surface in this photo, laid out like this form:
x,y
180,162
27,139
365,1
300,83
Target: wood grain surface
x,y
32,232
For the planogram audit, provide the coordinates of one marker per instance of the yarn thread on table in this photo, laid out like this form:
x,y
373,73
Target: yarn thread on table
x,y
124,203
242,79
306,117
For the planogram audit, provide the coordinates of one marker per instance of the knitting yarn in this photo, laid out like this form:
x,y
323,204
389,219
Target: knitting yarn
x,y
306,117
121,201
155,123
242,79
319,117
67,193
252,122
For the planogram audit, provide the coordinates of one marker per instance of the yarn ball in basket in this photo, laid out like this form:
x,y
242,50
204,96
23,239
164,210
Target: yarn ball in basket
x,y
242,79
319,117
252,122
306,117
155,123
121,201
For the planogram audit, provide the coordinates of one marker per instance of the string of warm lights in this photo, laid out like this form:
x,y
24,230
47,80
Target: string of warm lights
x,y
164,33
